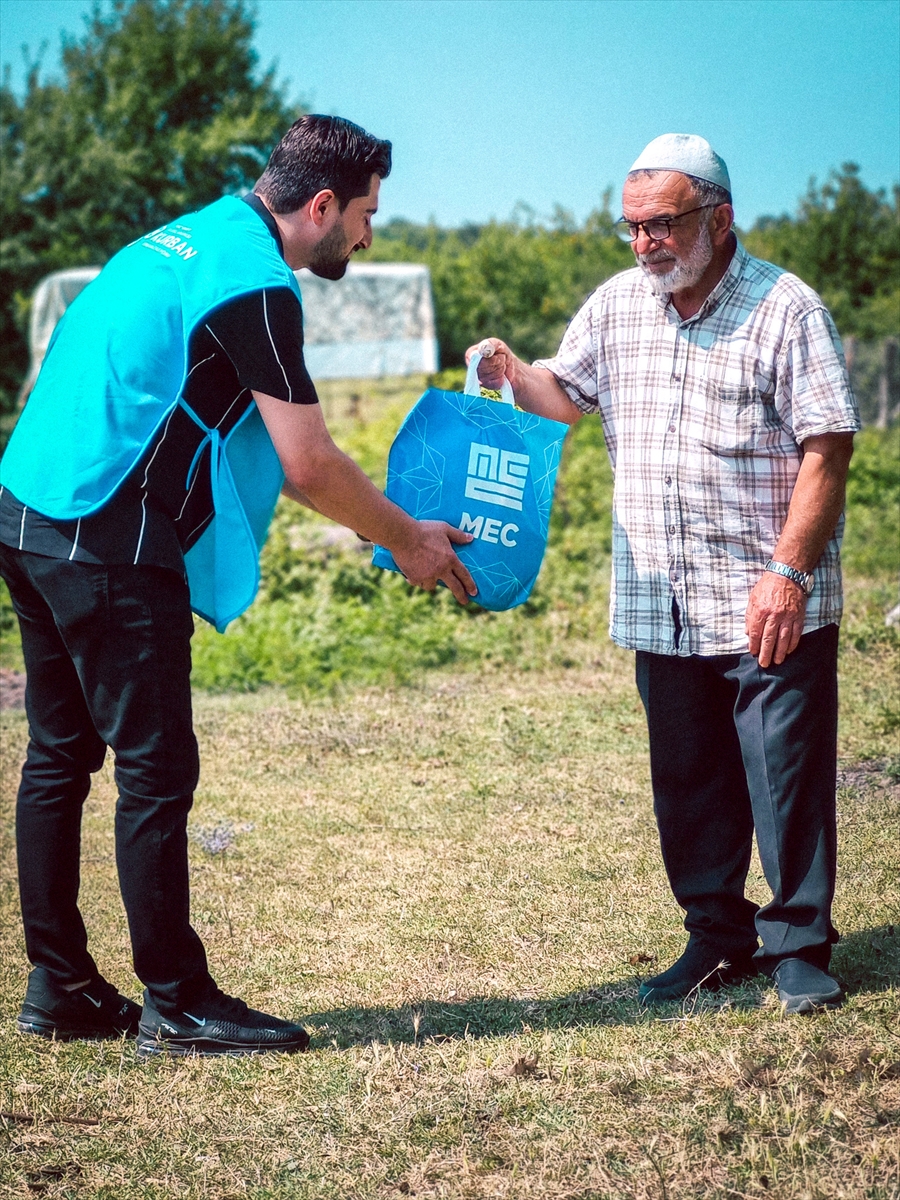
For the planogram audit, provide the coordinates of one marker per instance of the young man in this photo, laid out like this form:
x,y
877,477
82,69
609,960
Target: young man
x,y
729,420
173,404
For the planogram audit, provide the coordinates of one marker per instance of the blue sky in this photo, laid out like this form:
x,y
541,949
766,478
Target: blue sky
x,y
494,102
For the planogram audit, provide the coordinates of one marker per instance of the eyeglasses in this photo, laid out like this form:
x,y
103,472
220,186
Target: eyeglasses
x,y
657,229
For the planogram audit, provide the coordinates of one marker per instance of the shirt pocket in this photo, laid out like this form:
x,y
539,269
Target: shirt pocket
x,y
736,419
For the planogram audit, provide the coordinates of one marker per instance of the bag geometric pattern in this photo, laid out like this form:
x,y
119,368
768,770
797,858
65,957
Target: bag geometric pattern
x,y
487,467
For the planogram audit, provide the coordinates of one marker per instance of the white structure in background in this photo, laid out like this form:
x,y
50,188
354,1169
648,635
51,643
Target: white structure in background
x,y
51,298
377,320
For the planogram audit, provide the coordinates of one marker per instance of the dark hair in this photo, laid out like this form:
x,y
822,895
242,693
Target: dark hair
x,y
322,152
709,193
705,192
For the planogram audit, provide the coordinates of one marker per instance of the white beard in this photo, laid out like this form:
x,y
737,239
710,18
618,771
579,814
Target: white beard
x,y
686,271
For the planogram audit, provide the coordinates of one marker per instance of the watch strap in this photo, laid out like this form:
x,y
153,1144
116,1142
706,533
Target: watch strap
x,y
803,579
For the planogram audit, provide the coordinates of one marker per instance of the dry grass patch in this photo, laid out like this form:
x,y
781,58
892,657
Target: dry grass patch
x,y
458,886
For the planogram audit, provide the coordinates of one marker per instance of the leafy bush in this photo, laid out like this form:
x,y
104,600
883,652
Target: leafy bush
x,y
872,536
325,618
520,279
843,242
158,108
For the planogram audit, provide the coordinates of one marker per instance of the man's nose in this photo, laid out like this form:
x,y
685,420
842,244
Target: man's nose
x,y
643,244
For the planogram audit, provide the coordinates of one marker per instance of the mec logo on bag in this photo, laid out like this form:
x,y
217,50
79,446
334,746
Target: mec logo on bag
x,y
496,476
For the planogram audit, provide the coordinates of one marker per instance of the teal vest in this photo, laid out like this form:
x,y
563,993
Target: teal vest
x,y
114,371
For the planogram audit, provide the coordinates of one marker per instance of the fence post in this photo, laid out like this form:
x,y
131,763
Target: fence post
x,y
850,352
888,361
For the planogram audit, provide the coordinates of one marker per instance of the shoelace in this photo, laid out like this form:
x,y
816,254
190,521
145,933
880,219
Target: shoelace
x,y
226,1008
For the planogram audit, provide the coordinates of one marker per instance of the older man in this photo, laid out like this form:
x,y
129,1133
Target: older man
x,y
729,420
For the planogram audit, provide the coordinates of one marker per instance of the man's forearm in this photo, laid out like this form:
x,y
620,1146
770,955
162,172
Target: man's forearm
x,y
339,489
537,390
817,501
777,607
294,493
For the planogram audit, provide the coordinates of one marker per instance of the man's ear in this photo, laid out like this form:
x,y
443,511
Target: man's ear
x,y
322,205
722,223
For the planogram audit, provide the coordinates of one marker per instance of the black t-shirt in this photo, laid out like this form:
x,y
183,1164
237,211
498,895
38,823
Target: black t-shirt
x,y
253,343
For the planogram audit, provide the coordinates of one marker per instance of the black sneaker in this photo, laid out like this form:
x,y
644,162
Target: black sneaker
x,y
700,966
218,1025
95,1011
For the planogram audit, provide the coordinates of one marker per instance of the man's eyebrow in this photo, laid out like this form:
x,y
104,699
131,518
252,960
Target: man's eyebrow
x,y
663,216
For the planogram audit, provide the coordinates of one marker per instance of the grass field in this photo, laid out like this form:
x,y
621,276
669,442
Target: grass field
x,y
457,885
455,881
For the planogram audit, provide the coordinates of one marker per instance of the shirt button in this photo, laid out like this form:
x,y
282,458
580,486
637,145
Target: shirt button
x,y
676,379
671,429
668,481
671,529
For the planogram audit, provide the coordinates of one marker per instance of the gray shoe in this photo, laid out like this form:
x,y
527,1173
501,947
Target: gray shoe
x,y
803,988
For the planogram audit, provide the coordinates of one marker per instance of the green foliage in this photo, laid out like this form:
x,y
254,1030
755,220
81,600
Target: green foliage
x,y
522,280
872,538
326,619
517,279
10,643
353,625
159,110
845,243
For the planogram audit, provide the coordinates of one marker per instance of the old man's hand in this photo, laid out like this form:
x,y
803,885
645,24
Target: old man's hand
x,y
494,367
775,617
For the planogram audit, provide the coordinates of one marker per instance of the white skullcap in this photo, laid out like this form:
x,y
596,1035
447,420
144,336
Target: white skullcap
x,y
687,153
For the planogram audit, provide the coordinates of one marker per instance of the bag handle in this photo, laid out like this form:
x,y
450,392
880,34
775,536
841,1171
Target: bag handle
x,y
473,387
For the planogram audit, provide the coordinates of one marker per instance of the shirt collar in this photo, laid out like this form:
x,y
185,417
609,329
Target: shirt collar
x,y
268,220
723,288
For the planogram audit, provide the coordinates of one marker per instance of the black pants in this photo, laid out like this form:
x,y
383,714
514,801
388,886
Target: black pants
x,y
107,655
735,747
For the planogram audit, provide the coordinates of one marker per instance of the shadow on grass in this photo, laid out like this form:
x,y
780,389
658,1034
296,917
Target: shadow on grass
x,y
478,1016
499,1016
867,960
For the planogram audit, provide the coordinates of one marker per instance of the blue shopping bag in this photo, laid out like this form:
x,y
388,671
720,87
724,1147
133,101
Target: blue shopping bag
x,y
488,468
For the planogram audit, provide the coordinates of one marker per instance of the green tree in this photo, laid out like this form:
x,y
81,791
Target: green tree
x,y
159,109
845,243
518,279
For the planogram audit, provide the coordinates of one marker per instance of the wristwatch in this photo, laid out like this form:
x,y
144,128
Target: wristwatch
x,y
803,580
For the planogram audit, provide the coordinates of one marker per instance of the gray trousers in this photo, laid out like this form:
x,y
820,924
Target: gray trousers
x,y
733,748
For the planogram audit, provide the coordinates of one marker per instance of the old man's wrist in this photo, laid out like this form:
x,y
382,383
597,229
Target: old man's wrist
x,y
805,580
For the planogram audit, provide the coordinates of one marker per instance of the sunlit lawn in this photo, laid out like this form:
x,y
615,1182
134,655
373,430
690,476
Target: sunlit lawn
x,y
457,885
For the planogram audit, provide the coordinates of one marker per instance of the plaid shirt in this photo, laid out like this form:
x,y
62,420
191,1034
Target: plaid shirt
x,y
704,419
